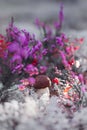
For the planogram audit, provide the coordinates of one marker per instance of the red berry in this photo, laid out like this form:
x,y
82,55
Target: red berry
x,y
35,62
71,62
55,80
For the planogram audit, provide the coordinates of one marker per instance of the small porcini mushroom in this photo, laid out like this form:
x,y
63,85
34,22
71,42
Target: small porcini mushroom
x,y
42,81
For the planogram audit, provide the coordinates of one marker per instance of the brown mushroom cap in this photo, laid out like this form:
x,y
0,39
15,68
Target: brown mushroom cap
x,y
42,81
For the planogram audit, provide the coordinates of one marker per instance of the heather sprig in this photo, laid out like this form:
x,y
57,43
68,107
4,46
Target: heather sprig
x,y
23,58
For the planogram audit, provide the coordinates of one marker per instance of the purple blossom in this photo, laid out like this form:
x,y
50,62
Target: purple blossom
x,y
68,50
83,88
62,55
58,24
22,39
18,68
80,76
64,59
36,71
53,46
44,51
63,36
16,59
45,39
61,15
12,32
14,47
31,81
39,44
48,32
43,69
39,23
36,47
27,34
31,70
59,41
24,52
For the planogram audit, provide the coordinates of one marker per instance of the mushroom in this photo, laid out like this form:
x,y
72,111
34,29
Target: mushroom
x,y
42,85
42,81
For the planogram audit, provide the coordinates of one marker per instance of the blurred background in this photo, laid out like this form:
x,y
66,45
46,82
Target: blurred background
x,y
26,11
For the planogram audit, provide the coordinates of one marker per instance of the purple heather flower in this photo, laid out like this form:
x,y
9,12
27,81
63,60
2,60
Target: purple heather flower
x,y
68,50
64,59
62,55
14,47
16,59
43,69
36,71
63,36
22,38
31,81
59,41
48,32
44,51
18,68
12,32
36,48
15,29
27,34
61,15
31,70
39,23
53,46
24,52
45,39
83,88
80,76
58,23
39,43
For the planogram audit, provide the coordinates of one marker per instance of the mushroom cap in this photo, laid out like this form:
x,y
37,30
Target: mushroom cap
x,y
42,81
